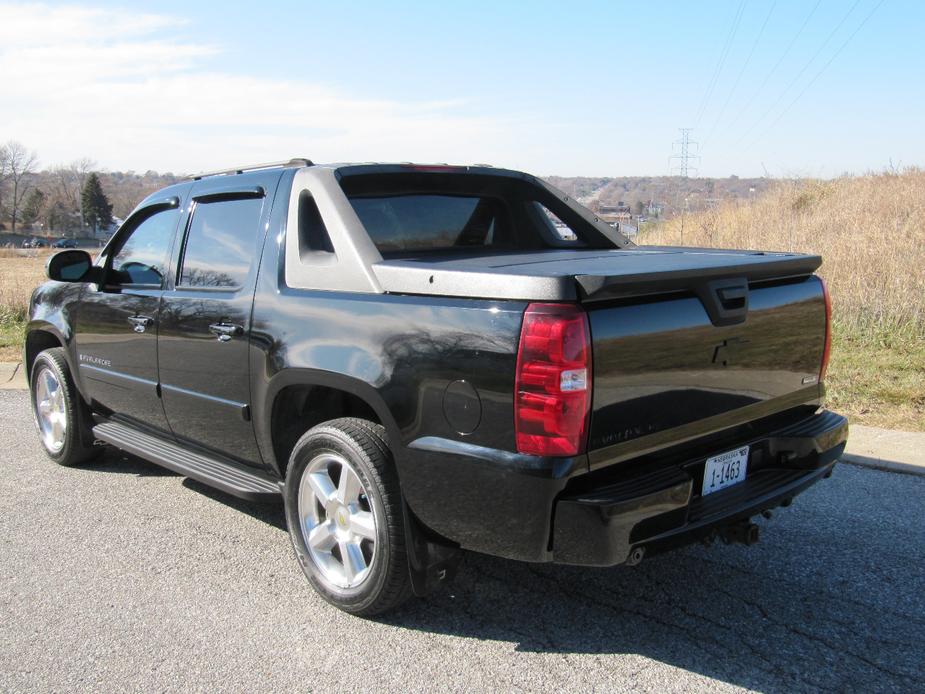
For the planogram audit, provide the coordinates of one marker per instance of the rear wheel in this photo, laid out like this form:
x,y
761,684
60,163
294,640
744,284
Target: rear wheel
x,y
55,409
343,509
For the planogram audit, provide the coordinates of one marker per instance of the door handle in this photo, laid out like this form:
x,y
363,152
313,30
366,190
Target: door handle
x,y
140,323
225,331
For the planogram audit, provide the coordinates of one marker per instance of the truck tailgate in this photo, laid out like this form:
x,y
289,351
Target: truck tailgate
x,y
667,369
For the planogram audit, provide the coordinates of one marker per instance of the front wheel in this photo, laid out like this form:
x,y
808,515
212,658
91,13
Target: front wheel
x,y
55,408
343,509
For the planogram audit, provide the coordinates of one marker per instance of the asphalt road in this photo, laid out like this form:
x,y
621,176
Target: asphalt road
x,y
122,576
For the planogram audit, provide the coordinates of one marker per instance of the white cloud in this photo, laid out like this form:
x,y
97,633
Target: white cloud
x,y
120,88
24,24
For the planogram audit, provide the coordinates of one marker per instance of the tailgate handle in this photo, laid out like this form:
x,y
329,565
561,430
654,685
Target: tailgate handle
x,y
732,297
726,301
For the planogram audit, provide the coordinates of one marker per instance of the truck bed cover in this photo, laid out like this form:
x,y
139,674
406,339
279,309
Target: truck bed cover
x,y
587,275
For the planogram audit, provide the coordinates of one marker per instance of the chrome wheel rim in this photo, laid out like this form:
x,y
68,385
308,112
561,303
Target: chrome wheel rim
x,y
337,520
50,410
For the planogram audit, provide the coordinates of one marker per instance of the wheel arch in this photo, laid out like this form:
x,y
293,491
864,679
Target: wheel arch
x,y
298,399
39,337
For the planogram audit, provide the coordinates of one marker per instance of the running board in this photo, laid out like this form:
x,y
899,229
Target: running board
x,y
215,473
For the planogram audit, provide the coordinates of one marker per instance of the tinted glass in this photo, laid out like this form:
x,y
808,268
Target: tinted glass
x,y
220,243
431,222
142,255
563,230
313,234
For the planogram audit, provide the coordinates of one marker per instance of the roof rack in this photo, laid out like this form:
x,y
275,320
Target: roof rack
x,y
294,162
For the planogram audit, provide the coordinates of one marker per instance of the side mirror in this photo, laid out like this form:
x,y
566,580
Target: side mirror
x,y
69,266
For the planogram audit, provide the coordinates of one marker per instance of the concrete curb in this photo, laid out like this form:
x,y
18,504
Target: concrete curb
x,y
883,465
886,449
12,376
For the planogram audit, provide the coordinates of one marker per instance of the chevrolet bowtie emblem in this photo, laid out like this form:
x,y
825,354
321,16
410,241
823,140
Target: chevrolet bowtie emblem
x,y
723,352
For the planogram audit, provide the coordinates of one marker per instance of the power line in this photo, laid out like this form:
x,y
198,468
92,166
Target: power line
x,y
805,67
771,72
822,69
685,156
741,72
722,61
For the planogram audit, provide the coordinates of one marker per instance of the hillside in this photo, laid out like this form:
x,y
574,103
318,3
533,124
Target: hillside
x,y
870,231
671,193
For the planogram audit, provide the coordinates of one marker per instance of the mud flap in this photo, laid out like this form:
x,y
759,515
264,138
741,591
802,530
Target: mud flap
x,y
431,561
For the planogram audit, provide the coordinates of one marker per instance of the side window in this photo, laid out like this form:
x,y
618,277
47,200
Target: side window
x,y
141,257
562,230
313,234
220,243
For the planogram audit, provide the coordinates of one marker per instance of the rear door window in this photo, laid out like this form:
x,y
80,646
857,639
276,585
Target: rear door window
x,y
220,243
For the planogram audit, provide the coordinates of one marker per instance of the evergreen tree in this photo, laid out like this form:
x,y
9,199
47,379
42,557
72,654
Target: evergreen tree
x,y
95,206
32,209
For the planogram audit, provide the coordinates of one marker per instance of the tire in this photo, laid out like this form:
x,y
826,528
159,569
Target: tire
x,y
56,411
342,490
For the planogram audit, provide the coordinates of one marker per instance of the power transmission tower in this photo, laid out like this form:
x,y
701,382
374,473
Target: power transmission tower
x,y
686,153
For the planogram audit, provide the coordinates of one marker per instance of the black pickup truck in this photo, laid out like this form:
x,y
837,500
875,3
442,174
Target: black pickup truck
x,y
426,359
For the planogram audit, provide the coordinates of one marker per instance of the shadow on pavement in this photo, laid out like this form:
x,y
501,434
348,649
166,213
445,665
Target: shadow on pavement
x,y
270,513
787,615
123,463
689,609
114,460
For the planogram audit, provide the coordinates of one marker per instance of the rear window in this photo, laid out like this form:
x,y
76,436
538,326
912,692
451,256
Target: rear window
x,y
414,212
432,222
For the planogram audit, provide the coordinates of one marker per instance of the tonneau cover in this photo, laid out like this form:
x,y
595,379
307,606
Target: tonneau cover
x,y
586,275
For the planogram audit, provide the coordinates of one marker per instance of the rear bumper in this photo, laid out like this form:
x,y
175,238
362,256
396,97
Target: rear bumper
x,y
662,509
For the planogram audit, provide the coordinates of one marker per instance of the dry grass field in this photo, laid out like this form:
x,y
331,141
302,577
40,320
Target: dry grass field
x,y
870,231
20,273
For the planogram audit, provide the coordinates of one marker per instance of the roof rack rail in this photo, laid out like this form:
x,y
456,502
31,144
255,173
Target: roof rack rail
x,y
294,162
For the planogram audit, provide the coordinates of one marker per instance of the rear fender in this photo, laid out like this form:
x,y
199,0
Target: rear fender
x,y
315,377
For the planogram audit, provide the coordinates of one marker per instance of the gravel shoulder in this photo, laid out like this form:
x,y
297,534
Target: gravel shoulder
x,y
123,576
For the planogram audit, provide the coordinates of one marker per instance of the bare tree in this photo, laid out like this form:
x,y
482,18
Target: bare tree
x,y
21,165
4,172
69,181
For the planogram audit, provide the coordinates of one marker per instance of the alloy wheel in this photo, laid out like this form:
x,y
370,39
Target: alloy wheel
x,y
337,520
50,410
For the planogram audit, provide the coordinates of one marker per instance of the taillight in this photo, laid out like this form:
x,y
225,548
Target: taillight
x,y
828,331
552,395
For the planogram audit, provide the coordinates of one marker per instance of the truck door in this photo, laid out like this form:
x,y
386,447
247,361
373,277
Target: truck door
x,y
205,315
117,322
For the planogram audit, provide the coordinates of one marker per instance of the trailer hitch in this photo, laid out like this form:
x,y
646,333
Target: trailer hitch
x,y
744,533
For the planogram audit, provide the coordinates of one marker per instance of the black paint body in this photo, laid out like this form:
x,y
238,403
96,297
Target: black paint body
x,y
670,388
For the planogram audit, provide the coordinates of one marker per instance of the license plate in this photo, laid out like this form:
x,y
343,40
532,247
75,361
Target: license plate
x,y
724,470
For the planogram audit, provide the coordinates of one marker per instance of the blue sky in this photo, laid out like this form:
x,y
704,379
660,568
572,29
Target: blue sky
x,y
555,88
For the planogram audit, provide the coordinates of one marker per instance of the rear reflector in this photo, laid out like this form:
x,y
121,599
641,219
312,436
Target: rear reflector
x,y
827,349
552,398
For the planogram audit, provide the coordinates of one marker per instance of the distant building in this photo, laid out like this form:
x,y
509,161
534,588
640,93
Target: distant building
x,y
621,208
